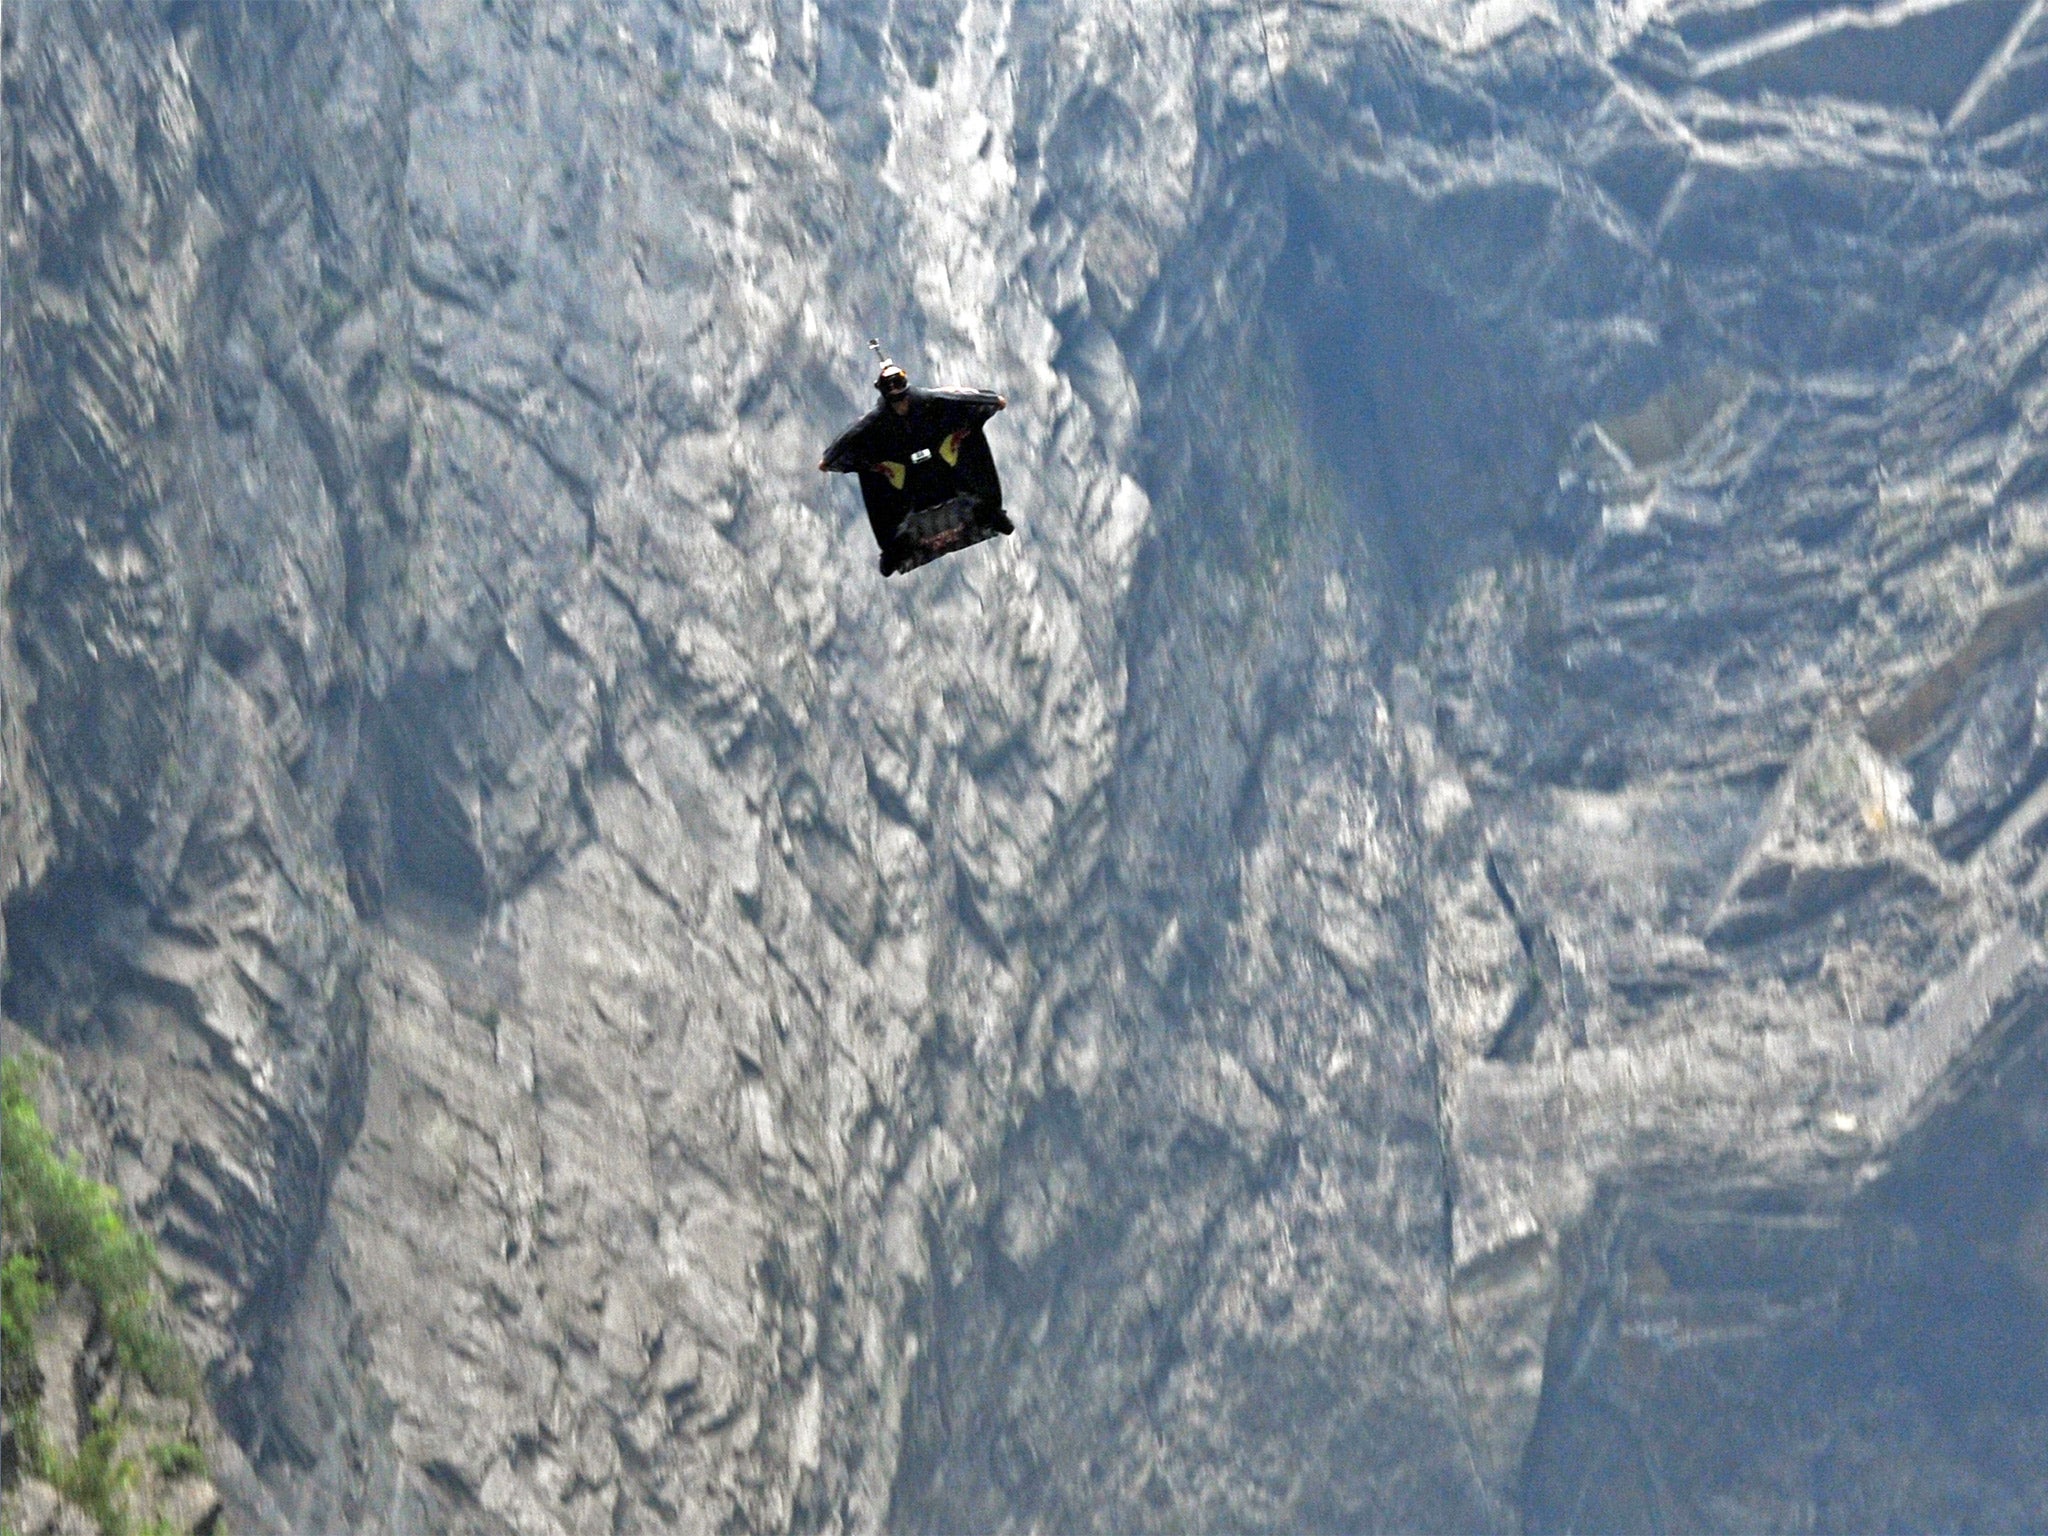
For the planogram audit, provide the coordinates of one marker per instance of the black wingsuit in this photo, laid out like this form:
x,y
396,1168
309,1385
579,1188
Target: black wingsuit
x,y
930,466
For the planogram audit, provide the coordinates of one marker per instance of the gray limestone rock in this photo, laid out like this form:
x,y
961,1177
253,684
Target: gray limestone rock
x,y
1449,937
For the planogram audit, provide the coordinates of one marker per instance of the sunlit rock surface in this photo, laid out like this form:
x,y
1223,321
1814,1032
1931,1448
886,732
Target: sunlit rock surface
x,y
1449,937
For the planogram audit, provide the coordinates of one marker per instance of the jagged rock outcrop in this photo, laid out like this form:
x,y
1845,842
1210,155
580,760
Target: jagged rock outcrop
x,y
1417,951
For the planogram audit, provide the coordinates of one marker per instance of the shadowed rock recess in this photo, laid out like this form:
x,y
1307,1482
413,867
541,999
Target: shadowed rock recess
x,y
1451,937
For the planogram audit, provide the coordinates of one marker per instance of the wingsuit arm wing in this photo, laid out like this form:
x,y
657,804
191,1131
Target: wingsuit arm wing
x,y
855,448
956,410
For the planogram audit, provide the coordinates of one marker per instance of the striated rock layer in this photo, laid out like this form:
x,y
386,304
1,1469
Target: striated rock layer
x,y
1450,937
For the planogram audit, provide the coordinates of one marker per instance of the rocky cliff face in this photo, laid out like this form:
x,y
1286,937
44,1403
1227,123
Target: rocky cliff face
x,y
1450,937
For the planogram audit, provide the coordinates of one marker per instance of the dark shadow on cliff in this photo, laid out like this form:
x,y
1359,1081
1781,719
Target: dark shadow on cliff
x,y
1880,1366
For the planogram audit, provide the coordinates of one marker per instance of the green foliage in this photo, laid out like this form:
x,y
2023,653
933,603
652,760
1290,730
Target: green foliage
x,y
176,1459
62,1228
102,1482
97,1480
335,299
23,1296
1287,493
68,1228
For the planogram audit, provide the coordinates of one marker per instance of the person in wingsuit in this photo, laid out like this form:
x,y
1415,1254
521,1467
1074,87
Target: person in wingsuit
x,y
926,474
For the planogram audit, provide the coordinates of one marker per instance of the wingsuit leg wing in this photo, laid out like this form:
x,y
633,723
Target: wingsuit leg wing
x,y
931,532
886,504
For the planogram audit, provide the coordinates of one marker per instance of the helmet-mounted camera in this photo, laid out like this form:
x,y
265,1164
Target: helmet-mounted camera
x,y
891,380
